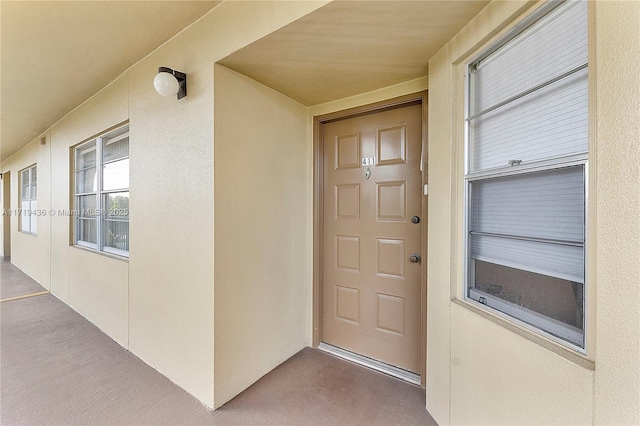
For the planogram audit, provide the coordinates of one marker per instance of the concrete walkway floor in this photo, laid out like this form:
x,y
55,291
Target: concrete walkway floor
x,y
58,368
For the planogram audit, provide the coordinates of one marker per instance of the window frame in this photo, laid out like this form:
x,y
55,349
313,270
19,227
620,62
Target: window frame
x,y
99,246
31,170
580,159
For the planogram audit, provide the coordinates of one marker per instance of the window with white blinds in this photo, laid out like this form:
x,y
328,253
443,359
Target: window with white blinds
x,y
527,125
102,193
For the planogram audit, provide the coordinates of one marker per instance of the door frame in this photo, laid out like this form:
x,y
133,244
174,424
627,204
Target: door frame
x,y
318,209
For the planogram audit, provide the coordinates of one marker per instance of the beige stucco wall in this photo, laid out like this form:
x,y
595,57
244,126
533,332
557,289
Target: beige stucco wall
x,y
617,168
97,286
478,371
60,201
163,302
260,231
171,275
263,224
98,290
160,303
25,248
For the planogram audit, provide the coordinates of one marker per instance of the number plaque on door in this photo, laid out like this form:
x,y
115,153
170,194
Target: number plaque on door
x,y
368,161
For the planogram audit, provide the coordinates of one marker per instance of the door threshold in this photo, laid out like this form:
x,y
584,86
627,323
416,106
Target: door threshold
x,y
373,364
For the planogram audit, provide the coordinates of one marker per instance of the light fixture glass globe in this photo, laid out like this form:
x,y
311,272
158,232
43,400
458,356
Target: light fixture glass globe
x,y
166,84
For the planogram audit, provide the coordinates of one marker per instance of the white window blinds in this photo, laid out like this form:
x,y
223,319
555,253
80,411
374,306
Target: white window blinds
x,y
529,98
527,144
533,222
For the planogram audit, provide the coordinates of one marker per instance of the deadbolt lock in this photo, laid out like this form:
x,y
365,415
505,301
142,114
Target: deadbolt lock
x,y
415,258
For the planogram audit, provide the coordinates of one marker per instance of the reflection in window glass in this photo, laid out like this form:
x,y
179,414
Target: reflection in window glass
x,y
86,181
117,220
116,175
115,149
86,157
560,300
28,219
87,206
116,234
87,231
117,205
102,193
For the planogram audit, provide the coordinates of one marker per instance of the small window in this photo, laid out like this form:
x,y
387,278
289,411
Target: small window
x,y
102,193
526,174
29,200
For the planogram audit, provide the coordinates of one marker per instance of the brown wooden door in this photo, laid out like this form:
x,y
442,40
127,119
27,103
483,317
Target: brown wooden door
x,y
371,288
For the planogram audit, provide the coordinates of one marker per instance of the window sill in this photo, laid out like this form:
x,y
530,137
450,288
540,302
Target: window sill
x,y
33,234
554,347
101,253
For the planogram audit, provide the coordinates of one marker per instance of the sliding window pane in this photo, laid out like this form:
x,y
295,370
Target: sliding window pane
x,y
86,181
551,304
34,217
545,50
115,149
87,206
547,204
25,216
25,192
24,186
34,182
116,175
551,122
86,156
116,234
116,205
87,230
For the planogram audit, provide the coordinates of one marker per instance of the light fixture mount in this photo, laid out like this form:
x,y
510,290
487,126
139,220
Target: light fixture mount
x,y
169,82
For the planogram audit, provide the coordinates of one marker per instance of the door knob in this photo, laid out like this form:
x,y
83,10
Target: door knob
x,y
415,258
415,219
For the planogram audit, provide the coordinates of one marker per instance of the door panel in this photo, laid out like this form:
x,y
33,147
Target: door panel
x,y
371,289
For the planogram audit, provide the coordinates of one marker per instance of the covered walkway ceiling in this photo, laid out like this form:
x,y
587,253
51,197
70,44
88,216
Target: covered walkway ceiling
x,y
57,54
350,47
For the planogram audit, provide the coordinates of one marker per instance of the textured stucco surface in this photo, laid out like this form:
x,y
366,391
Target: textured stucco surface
x,y
479,372
260,237
617,168
159,304
25,248
498,377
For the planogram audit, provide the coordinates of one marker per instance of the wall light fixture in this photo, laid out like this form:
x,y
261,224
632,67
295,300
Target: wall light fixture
x,y
169,82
